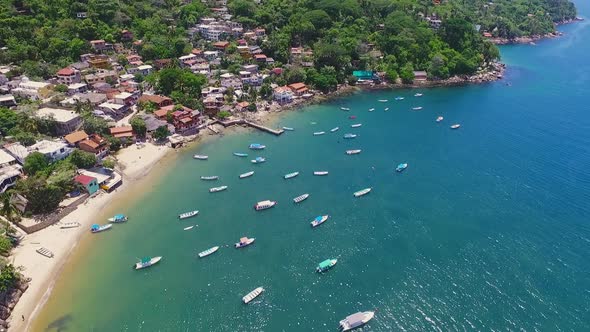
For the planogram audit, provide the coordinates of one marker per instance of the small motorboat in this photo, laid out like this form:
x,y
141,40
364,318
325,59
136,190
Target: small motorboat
x,y
217,189
352,117
326,265
247,174
200,157
345,108
362,192
118,218
349,136
257,146
351,152
96,228
291,175
263,205
319,220
439,119
240,154
418,95
335,129
318,133
386,109
383,100
455,126
320,173
356,320
288,128
146,262
300,198
244,242
371,109
188,214
189,228
258,160
209,178
356,125
417,108
401,167
208,252
399,98
69,225
252,295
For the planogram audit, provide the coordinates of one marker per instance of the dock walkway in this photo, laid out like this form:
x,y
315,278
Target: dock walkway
x,y
276,132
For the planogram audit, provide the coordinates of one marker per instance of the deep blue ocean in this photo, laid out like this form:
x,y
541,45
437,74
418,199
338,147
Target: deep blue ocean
x,y
487,229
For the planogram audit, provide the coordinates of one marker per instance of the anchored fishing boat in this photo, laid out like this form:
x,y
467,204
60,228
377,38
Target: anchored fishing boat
x,y
291,175
320,173
356,320
345,108
383,100
263,205
351,152
257,146
335,129
300,198
288,128
258,160
386,109
417,108
200,157
96,228
244,242
319,220
240,154
401,167
455,126
118,218
362,192
371,109
247,174
418,95
146,262
439,119
399,98
326,265
209,178
217,189
188,214
252,295
349,136
188,228
208,252
356,125
318,133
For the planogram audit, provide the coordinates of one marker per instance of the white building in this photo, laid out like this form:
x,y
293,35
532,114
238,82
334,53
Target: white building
x,y
29,89
283,95
53,150
10,171
7,101
67,121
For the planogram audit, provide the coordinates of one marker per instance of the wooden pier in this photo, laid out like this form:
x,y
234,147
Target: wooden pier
x,y
276,132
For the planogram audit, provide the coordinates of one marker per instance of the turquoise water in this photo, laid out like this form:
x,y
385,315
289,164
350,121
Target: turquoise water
x,y
487,229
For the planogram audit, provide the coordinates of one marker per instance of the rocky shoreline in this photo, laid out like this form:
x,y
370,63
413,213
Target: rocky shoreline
x,y
8,301
532,39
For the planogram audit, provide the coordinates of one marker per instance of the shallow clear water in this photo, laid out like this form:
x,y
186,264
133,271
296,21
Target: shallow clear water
x,y
487,229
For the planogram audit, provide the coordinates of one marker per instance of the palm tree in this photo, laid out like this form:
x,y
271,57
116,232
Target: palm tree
x,y
8,209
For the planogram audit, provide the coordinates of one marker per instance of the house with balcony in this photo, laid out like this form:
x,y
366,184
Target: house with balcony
x,y
115,111
53,150
283,95
123,132
298,89
75,138
95,144
77,88
101,77
7,101
10,171
186,121
30,89
99,61
126,98
67,121
68,76
213,102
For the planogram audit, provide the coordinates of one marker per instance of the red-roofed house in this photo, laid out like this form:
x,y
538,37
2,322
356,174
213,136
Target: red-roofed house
x,y
122,132
95,144
487,35
242,106
221,45
283,95
260,57
277,71
68,76
89,183
126,35
98,45
160,101
298,88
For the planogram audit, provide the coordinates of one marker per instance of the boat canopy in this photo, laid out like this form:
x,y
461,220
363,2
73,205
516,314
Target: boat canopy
x,y
119,216
318,218
95,226
325,264
243,240
146,260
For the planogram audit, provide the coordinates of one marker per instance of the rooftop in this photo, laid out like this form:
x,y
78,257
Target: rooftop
x,y
5,158
84,179
45,146
76,137
60,115
66,72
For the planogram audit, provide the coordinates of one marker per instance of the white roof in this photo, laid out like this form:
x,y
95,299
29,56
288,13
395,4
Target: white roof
x,y
76,86
6,97
123,95
143,67
227,75
112,106
242,72
11,171
5,158
210,52
127,76
45,146
60,115
18,150
187,57
33,85
100,178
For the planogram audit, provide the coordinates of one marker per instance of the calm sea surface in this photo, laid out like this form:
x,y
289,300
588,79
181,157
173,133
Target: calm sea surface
x,y
487,229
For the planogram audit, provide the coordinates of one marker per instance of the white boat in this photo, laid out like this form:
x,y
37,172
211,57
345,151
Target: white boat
x,y
362,192
45,252
244,241
318,133
217,189
118,218
209,178
455,126
418,95
351,152
319,220
263,205
252,295
188,214
147,262
291,175
208,252
345,108
288,128
69,225
200,157
383,100
96,228
349,136
240,154
386,109
371,109
320,173
401,167
439,119
399,98
300,198
417,108
356,125
356,320
335,129
257,146
258,160
189,228
247,174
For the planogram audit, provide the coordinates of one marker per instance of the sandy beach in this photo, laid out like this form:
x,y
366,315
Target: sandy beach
x,y
135,164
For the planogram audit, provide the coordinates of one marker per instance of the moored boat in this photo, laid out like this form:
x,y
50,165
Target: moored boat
x,y
200,157
356,125
371,109
252,295
188,214
320,173
319,220
257,146
439,119
208,252
401,167
300,198
209,178
146,262
455,126
240,154
383,100
263,205
399,98
288,128
386,109
351,152
217,189
417,108
96,228
326,265
349,136
335,129
345,108
189,228
318,133
418,95
362,192
258,160
356,320
247,174
244,242
118,218
291,175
